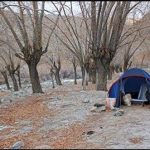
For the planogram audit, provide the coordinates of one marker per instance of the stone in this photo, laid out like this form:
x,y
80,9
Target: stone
x,y
103,108
18,145
43,147
25,129
119,112
90,132
97,109
25,82
93,109
58,98
6,100
98,105
85,100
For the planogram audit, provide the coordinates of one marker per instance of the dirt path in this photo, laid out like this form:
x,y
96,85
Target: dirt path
x,y
61,119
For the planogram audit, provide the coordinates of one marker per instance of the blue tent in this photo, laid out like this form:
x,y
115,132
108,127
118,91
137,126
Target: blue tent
x,y
131,82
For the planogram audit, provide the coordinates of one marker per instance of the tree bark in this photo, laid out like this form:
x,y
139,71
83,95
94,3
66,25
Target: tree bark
x,y
101,76
11,71
86,78
75,73
34,78
15,85
52,77
53,85
109,75
125,65
83,75
93,76
90,76
4,74
110,72
19,79
57,77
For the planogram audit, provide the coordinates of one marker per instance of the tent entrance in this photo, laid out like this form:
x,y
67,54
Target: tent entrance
x,y
134,95
136,86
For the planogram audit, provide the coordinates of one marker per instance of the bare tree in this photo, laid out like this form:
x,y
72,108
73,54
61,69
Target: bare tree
x,y
91,68
11,64
55,68
74,62
18,75
74,35
31,46
142,60
132,40
72,59
52,76
108,20
129,52
3,71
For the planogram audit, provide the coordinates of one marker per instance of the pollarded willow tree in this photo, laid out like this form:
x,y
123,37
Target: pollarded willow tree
x,y
74,33
94,34
107,22
11,65
135,37
28,34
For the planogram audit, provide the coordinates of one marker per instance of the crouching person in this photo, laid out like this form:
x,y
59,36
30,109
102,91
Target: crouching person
x,y
110,103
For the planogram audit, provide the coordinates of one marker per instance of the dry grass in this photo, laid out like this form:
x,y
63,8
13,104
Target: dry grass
x,y
136,140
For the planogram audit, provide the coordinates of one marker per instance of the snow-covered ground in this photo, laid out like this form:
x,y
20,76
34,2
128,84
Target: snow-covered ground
x,y
26,90
68,106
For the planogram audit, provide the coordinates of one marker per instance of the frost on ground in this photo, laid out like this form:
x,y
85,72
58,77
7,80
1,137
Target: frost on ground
x,y
62,118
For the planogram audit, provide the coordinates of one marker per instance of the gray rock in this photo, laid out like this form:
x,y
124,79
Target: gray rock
x,y
43,147
93,109
6,100
25,82
103,108
2,127
98,105
85,101
18,145
98,109
25,129
119,112
58,98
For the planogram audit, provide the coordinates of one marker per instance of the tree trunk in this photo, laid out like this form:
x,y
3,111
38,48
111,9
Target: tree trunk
x,y
109,75
15,85
125,65
110,72
84,78
57,77
93,76
101,76
83,74
90,76
34,78
75,73
4,74
19,79
53,81
52,77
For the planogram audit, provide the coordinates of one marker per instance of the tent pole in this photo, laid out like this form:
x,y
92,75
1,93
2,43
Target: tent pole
x,y
120,93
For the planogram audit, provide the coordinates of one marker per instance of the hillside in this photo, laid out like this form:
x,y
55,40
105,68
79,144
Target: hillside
x,y
57,48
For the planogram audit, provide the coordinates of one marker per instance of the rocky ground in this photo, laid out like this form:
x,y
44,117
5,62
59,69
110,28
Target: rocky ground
x,y
62,118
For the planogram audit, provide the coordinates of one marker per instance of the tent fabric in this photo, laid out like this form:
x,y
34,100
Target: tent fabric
x,y
130,82
142,92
